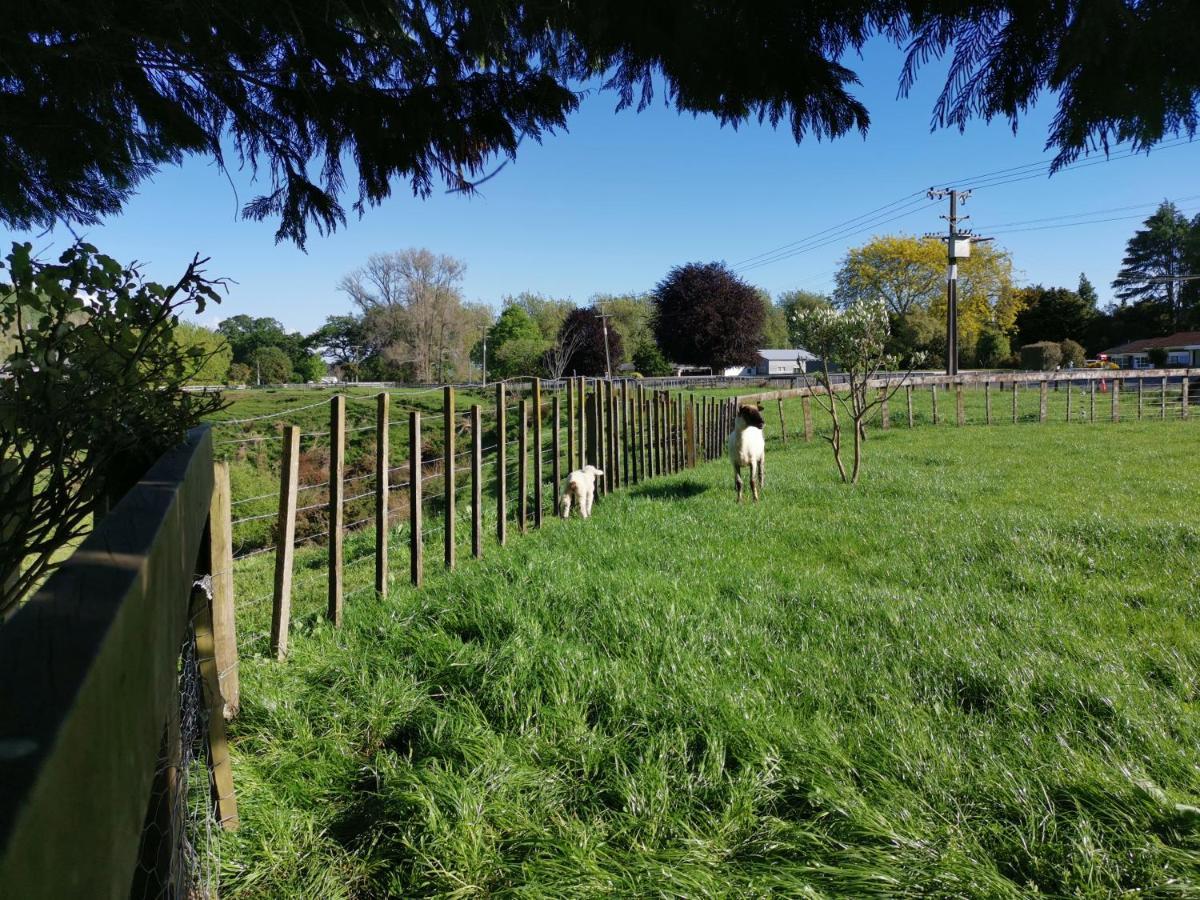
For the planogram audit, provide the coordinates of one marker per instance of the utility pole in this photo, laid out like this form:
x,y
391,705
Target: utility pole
x,y
604,317
958,245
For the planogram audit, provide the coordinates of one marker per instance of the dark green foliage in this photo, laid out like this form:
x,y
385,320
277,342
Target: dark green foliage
x,y
435,93
1053,314
649,361
515,344
1043,355
271,366
1165,248
1157,356
992,348
587,356
1073,354
344,341
93,395
705,315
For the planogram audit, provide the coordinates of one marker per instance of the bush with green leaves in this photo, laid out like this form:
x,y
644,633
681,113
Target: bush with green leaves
x,y
648,360
93,394
854,339
992,348
271,365
1042,355
1073,355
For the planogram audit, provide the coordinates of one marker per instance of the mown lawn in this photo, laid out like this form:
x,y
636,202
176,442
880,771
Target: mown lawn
x,y
975,674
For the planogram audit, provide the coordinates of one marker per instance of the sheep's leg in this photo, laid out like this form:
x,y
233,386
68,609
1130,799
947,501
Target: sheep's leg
x,y
585,506
564,505
758,487
737,482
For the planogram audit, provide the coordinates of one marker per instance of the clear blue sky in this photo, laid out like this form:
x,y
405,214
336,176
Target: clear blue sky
x,y
611,205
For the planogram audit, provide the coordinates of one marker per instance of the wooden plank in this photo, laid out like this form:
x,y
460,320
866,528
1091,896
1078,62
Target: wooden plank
x,y
987,402
537,453
281,607
628,475
908,391
220,768
1014,402
570,428
1068,401
382,465
477,480
416,477
449,477
522,463
1141,395
1163,399
960,417
1042,398
583,422
1116,400
89,672
1183,397
221,565
502,465
337,522
934,393
690,432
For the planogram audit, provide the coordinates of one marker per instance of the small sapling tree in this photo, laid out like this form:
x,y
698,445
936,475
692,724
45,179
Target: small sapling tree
x,y
852,340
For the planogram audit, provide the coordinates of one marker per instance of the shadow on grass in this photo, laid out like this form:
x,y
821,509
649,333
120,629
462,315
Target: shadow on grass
x,y
676,490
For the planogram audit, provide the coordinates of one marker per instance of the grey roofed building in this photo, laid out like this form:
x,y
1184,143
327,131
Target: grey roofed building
x,y
792,361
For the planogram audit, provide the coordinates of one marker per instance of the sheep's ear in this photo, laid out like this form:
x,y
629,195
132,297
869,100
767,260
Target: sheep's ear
x,y
599,471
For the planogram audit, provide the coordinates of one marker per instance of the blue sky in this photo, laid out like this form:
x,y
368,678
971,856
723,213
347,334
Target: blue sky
x,y
611,205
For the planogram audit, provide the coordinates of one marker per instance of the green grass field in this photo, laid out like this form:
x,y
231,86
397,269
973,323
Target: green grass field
x,y
974,675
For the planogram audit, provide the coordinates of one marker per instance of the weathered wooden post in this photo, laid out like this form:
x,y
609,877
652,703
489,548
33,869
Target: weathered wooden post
x,y
582,425
908,394
782,424
987,402
1015,385
556,450
1092,400
1163,399
1141,393
224,800
502,465
477,479
933,393
416,475
806,411
1068,400
1042,398
960,416
1116,400
537,453
522,463
281,610
885,414
570,383
337,456
630,476
382,439
220,544
1183,397
449,479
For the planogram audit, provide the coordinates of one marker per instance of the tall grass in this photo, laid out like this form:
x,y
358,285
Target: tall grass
x,y
975,674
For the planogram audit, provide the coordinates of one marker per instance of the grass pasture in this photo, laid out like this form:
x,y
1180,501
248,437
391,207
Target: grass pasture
x,y
974,674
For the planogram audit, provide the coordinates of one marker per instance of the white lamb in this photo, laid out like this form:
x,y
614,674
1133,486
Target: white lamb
x,y
580,486
747,448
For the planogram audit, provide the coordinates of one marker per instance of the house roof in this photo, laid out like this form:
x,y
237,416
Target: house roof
x,y
1171,341
786,355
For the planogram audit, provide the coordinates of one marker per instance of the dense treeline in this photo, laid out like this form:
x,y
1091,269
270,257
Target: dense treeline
x,y
409,320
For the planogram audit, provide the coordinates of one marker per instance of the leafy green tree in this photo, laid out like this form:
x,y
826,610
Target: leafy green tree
x,y
1087,293
1053,314
436,93
649,361
240,373
775,333
992,348
906,272
271,366
217,354
546,312
632,317
705,315
796,301
93,394
247,334
515,345
1043,355
312,368
1073,355
344,340
1156,257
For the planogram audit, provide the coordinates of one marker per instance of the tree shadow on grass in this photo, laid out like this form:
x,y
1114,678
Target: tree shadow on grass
x,y
675,490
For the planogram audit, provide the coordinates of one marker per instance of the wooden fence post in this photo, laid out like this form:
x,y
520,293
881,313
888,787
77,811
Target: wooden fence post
x,y
224,800
1068,400
806,409
416,475
337,458
613,472
477,480
556,450
382,439
570,383
908,391
885,414
1014,387
221,563
281,610
537,453
1092,401
522,463
1116,400
987,402
501,467
1042,398
1141,393
933,393
782,425
690,431
960,415
1183,397
1163,399
449,480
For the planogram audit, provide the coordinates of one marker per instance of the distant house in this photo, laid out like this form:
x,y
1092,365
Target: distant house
x,y
776,362
1183,349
